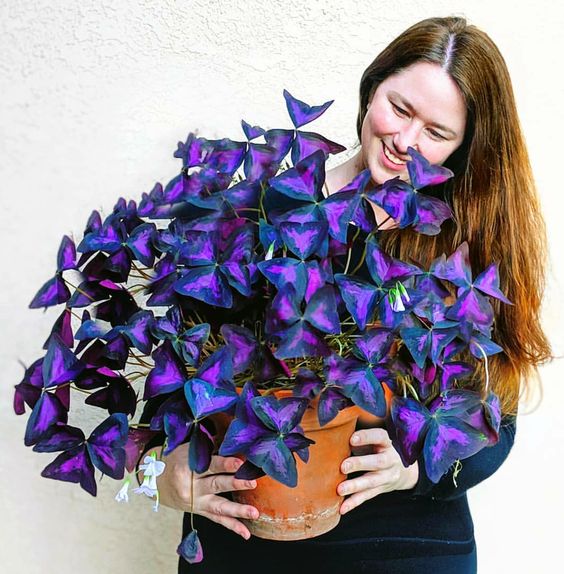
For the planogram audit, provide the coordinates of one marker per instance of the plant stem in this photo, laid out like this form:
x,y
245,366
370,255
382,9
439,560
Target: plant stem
x,y
349,254
192,500
363,256
485,366
141,272
139,360
412,390
79,290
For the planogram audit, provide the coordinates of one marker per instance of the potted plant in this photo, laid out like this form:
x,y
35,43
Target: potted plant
x,y
239,291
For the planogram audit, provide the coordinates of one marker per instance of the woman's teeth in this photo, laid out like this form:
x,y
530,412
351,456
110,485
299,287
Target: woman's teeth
x,y
392,157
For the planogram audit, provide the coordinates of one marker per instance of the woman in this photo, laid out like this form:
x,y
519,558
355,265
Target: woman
x,y
443,88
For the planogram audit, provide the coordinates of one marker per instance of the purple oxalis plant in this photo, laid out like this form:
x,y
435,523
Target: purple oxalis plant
x,y
234,280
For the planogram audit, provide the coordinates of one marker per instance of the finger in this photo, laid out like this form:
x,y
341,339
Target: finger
x,y
224,464
225,512
218,483
373,436
220,506
358,498
231,523
364,482
382,460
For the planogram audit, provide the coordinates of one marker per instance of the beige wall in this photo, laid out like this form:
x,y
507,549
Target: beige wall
x,y
95,96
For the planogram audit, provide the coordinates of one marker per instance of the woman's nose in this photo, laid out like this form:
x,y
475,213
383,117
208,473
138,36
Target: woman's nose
x,y
406,137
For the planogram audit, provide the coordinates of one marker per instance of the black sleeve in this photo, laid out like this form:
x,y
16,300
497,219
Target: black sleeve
x,y
474,469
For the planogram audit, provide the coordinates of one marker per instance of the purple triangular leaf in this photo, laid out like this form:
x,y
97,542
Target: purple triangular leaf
x,y
47,411
300,112
191,548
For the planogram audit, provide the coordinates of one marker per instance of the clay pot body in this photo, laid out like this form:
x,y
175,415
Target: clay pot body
x,y
312,507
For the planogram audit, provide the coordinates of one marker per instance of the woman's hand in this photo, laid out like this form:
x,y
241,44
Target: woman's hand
x,y
384,470
174,486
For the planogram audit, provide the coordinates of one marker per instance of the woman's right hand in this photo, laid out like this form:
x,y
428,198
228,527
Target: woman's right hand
x,y
174,486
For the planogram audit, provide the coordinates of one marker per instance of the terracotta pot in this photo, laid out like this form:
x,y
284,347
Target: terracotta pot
x,y
312,507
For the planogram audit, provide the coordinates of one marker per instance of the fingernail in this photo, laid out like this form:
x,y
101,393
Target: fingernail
x,y
251,484
355,439
346,467
253,514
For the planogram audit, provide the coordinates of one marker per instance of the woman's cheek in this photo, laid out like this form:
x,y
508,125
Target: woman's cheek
x,y
375,123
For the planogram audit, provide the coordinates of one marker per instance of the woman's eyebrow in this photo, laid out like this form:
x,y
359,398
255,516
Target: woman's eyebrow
x,y
412,110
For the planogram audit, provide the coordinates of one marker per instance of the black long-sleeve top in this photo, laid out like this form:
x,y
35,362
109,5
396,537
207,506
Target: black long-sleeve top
x,y
426,529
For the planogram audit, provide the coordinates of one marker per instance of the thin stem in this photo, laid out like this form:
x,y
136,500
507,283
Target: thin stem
x,y
382,222
413,392
366,241
136,285
138,363
192,500
72,385
349,254
79,290
136,374
139,360
75,314
457,469
138,356
261,206
363,256
141,272
485,366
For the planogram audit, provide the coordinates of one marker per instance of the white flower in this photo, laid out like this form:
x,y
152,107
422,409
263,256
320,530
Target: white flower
x,y
270,252
151,468
398,305
395,301
403,291
149,491
122,495
146,489
396,297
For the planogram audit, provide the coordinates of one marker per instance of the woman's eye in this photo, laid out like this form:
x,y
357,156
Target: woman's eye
x,y
436,135
399,110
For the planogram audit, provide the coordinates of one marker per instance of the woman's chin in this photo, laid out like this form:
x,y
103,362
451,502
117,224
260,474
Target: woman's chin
x,y
380,175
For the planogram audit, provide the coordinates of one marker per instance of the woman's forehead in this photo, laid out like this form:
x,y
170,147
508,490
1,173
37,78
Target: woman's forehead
x,y
427,91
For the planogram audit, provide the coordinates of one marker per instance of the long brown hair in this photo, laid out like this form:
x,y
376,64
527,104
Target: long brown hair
x,y
493,194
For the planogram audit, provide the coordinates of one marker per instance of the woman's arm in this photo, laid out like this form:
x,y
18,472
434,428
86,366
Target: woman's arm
x,y
474,469
382,470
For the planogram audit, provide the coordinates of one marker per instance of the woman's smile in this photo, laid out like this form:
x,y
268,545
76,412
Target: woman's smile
x,y
390,160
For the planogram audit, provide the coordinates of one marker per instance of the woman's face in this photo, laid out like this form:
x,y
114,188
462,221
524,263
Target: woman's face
x,y
420,107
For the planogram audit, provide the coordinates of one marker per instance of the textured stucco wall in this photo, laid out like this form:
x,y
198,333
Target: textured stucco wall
x,y
95,95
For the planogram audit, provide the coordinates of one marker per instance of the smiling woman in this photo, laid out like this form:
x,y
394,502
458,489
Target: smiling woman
x,y
421,107
438,88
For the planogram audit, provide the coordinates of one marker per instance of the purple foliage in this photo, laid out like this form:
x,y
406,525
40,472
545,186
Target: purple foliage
x,y
267,284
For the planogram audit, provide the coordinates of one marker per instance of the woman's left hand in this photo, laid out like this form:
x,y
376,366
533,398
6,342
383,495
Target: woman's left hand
x,y
384,469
